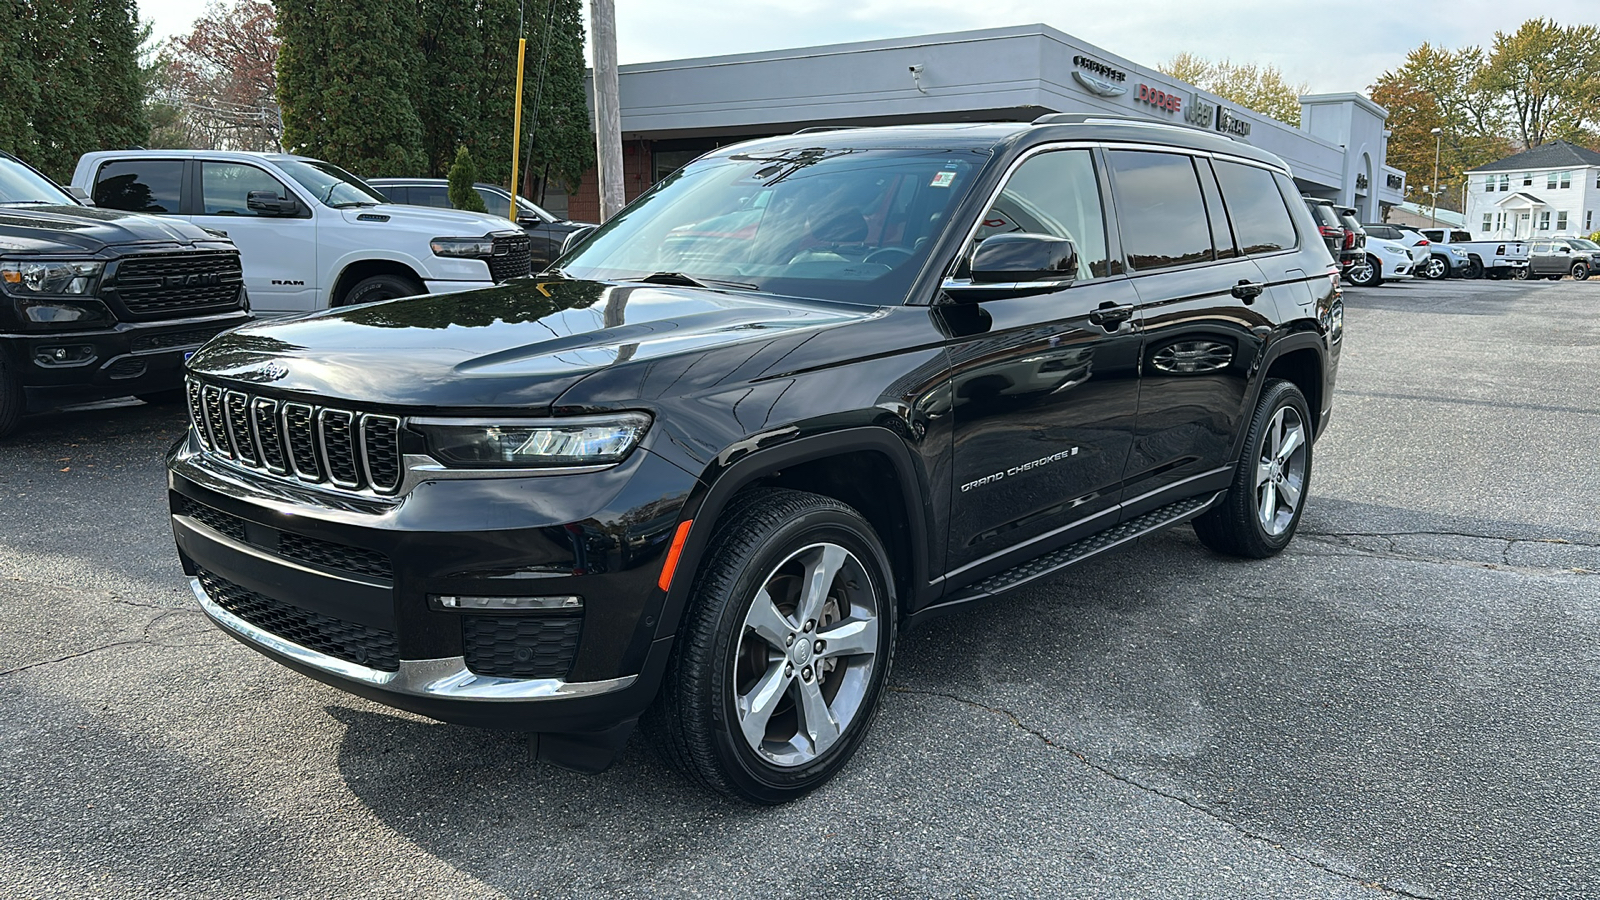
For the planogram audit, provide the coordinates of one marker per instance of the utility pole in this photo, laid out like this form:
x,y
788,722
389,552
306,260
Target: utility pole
x,y
607,106
1433,193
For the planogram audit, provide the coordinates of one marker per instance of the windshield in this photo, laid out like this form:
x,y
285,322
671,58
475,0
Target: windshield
x,y
330,184
1583,244
21,186
836,224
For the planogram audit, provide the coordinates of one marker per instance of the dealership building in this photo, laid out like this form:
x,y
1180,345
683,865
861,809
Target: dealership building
x,y
673,111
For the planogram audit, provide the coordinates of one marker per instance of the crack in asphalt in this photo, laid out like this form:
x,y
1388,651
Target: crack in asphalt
x,y
1191,804
144,638
1395,551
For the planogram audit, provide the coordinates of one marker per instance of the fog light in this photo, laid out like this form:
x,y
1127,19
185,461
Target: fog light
x,y
453,601
68,355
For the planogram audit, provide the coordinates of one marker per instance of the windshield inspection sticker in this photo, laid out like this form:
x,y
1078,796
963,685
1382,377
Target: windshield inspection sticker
x,y
943,179
1019,469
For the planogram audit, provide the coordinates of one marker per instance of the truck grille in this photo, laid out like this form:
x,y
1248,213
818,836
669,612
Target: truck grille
x,y
313,444
363,645
178,284
520,646
513,257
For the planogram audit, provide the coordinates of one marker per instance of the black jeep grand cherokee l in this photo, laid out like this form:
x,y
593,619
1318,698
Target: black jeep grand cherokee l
x,y
97,303
805,392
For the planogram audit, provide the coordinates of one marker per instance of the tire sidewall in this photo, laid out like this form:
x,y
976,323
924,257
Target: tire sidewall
x,y
1580,272
753,775
376,288
1522,273
1374,277
1278,395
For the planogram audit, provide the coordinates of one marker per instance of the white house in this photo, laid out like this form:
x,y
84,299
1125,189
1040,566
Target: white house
x,y
1549,190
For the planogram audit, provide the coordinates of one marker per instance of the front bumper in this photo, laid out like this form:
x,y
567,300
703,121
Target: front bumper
x,y
126,359
345,589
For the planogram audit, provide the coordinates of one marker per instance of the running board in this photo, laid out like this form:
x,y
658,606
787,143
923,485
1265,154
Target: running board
x,y
1078,551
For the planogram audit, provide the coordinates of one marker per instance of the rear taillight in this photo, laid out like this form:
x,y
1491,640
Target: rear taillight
x,y
1422,243
1330,231
1500,250
1349,240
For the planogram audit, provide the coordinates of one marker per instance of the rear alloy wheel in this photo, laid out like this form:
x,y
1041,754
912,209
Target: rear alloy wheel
x,y
1436,268
1259,515
1580,272
1366,273
784,650
1521,273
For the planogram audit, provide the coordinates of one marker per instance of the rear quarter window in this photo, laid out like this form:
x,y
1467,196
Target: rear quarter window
x,y
1261,222
142,186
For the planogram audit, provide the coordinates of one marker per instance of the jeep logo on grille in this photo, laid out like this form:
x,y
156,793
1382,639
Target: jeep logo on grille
x,y
202,280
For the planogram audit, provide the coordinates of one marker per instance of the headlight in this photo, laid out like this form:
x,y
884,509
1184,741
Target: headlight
x,y
1400,250
534,443
472,247
57,278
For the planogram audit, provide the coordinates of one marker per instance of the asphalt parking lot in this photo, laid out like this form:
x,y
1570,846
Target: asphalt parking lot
x,y
1405,703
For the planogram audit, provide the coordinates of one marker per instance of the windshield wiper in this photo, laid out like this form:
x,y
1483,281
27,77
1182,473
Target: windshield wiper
x,y
31,203
681,280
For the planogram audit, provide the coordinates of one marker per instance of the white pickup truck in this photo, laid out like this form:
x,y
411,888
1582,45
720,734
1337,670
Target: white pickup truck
x,y
311,235
1490,259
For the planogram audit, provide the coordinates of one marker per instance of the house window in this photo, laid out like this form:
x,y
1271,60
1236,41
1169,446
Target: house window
x,y
1588,220
1566,179
1505,182
1488,221
1561,220
1544,221
1527,178
1550,181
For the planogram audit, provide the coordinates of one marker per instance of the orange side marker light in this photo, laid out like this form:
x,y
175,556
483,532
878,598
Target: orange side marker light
x,y
665,581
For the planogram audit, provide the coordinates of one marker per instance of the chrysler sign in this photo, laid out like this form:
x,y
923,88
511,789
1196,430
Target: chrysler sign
x,y
1099,78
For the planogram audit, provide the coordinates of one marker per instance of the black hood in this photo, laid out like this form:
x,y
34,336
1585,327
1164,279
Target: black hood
x,y
57,229
519,345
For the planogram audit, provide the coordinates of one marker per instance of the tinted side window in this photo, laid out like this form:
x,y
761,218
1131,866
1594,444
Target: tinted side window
x,y
225,187
1159,208
395,192
1055,193
430,195
496,204
145,185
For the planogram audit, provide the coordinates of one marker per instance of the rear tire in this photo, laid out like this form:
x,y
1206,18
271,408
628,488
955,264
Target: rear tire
x,y
1521,273
1474,268
783,651
381,287
1258,517
12,400
1367,273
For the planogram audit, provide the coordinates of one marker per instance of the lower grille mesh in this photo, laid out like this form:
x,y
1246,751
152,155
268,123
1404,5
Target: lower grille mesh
x,y
363,645
520,646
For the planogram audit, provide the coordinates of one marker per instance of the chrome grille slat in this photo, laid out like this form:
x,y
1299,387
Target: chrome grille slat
x,y
264,416
197,413
336,428
237,408
216,422
299,430
380,451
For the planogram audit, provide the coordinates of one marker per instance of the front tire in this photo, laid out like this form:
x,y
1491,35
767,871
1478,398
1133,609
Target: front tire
x,y
1436,268
1258,517
1367,273
784,649
1521,273
1580,272
381,287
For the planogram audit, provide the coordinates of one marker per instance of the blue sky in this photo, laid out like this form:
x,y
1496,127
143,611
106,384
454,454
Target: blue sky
x,y
1330,46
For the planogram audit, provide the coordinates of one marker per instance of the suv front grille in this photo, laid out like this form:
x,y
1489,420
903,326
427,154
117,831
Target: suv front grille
x,y
513,258
300,548
299,441
179,283
363,645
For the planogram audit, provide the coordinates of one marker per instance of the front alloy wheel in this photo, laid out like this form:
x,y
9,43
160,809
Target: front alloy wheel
x,y
1580,272
784,648
1366,273
1436,268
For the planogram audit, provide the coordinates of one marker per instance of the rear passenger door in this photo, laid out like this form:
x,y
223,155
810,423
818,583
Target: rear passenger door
x,y
1202,306
1539,258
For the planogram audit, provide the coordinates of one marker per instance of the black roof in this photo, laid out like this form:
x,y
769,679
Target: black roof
x,y
1545,156
995,135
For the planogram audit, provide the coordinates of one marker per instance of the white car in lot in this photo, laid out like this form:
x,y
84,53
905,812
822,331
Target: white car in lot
x,y
1386,261
311,234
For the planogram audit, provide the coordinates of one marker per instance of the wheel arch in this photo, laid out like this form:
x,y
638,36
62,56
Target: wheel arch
x,y
1300,358
359,269
869,468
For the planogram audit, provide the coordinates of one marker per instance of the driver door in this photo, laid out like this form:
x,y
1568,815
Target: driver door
x,y
279,252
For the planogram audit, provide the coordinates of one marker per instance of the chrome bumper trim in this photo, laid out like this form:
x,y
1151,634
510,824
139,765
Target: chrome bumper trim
x,y
439,679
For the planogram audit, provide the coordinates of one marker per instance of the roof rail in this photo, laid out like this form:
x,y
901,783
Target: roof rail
x,y
1115,119
815,128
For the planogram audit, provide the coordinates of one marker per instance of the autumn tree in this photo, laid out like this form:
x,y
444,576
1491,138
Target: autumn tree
x,y
1547,77
220,80
1259,87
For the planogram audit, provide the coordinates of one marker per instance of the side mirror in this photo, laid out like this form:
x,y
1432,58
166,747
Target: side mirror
x,y
574,238
80,195
268,203
1563,249
1014,265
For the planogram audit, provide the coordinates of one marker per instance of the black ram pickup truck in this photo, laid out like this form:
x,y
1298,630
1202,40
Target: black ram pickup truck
x,y
806,392
96,303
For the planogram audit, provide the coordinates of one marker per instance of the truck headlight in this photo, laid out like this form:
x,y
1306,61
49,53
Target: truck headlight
x,y
533,443
469,247
53,278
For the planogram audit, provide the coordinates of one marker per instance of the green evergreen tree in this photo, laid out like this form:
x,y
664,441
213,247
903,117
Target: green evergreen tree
x,y
345,77
117,83
463,175
450,41
496,80
19,89
64,62
558,128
